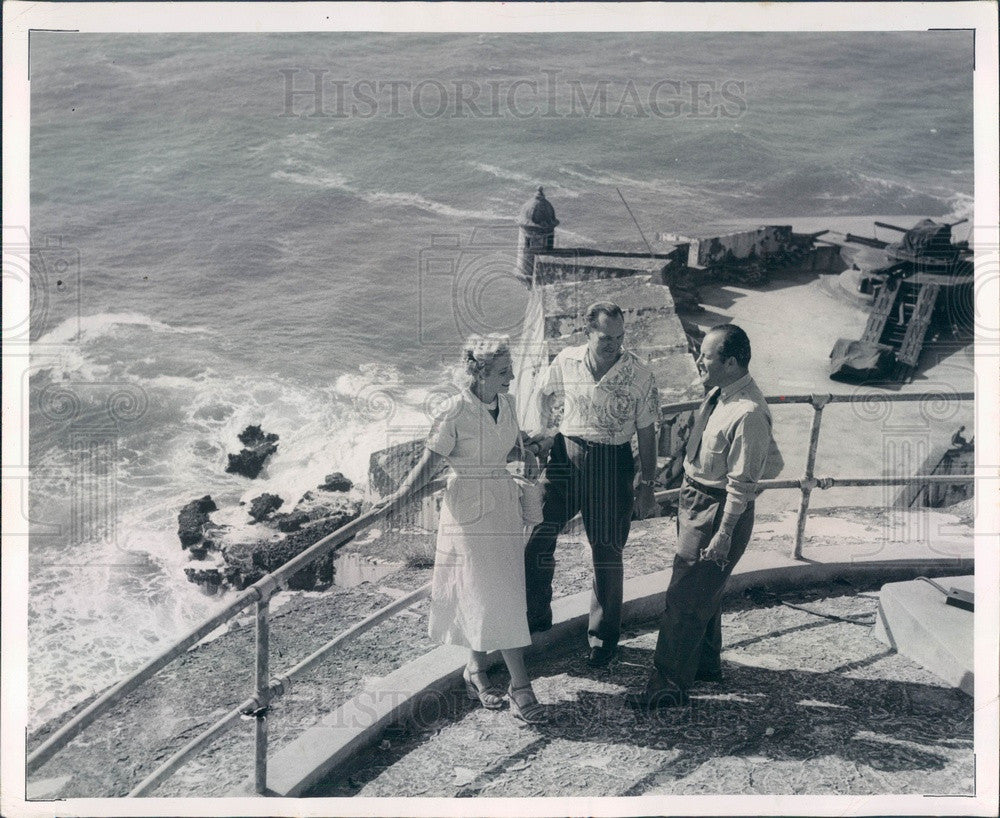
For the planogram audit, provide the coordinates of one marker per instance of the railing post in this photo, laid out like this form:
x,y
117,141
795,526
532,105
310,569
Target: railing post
x,y
261,674
808,481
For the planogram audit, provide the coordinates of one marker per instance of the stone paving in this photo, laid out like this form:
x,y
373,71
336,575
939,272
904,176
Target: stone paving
x,y
810,705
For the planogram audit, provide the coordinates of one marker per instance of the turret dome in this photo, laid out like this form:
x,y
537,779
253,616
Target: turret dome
x,y
538,213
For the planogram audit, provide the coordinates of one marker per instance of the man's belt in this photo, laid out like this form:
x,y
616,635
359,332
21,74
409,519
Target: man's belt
x,y
711,491
593,444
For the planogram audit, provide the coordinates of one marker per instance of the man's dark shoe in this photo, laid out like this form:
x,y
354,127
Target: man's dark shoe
x,y
540,625
601,657
657,700
713,678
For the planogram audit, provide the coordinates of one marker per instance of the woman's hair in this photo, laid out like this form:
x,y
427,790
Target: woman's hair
x,y
479,353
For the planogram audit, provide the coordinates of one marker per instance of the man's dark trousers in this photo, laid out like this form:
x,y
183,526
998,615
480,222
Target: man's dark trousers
x,y
595,480
690,640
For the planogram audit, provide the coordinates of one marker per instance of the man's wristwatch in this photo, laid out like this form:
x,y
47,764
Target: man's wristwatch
x,y
647,483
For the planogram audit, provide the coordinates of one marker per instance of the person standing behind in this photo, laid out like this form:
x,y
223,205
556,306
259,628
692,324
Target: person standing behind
x,y
725,458
606,396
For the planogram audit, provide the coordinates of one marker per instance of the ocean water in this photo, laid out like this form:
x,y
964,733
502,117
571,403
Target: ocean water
x,y
208,252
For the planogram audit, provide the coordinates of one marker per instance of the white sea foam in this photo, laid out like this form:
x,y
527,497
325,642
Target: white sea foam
x,y
962,207
318,177
528,181
618,180
91,327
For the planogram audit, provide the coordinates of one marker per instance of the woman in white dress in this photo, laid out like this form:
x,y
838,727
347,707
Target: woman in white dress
x,y
477,597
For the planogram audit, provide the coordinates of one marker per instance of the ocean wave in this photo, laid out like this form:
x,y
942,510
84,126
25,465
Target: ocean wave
x,y
528,181
962,206
595,177
92,327
674,191
429,205
331,180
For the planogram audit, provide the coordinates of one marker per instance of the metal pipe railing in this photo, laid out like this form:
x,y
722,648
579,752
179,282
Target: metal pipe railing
x,y
818,402
193,747
808,481
277,687
99,706
262,589
263,655
261,592
853,397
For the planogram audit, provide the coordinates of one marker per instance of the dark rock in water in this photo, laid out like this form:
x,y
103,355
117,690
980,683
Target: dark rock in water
x,y
259,447
290,522
387,468
192,520
336,482
261,507
209,578
253,436
248,562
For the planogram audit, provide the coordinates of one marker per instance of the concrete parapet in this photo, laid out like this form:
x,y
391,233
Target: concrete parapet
x,y
914,620
555,268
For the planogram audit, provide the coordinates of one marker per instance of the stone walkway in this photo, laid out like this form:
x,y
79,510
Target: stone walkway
x,y
810,705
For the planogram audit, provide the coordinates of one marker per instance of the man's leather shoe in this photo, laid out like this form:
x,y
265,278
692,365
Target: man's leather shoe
x,y
601,657
657,700
714,678
540,626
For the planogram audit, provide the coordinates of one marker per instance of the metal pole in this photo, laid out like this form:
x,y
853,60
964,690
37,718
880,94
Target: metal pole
x,y
276,688
808,481
263,697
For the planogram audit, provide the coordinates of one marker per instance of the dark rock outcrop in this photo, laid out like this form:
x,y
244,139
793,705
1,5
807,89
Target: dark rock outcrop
x,y
193,519
261,507
258,447
336,482
248,562
292,521
208,578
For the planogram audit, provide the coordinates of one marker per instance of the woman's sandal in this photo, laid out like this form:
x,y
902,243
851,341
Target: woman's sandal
x,y
528,709
488,695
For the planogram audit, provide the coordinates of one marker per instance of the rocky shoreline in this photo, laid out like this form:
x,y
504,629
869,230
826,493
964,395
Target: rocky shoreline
x,y
227,559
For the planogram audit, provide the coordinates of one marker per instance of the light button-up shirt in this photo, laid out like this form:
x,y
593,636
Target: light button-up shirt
x,y
610,410
734,445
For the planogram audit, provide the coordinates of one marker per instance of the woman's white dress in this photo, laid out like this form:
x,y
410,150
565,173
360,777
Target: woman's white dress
x,y
477,597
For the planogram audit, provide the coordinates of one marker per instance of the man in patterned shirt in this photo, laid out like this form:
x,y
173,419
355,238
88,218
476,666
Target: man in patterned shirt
x,y
726,454
595,397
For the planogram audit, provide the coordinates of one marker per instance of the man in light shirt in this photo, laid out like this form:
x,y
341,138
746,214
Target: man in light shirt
x,y
725,458
597,396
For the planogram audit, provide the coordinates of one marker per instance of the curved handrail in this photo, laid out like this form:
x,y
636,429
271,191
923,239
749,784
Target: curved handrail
x,y
866,398
277,687
262,590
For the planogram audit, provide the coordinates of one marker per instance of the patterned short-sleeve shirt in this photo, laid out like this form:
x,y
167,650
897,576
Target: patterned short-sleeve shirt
x,y
606,411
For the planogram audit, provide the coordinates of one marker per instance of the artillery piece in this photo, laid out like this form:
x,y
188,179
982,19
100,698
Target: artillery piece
x,y
924,290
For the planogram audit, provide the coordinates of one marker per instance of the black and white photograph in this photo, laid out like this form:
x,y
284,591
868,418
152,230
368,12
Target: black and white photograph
x,y
500,409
